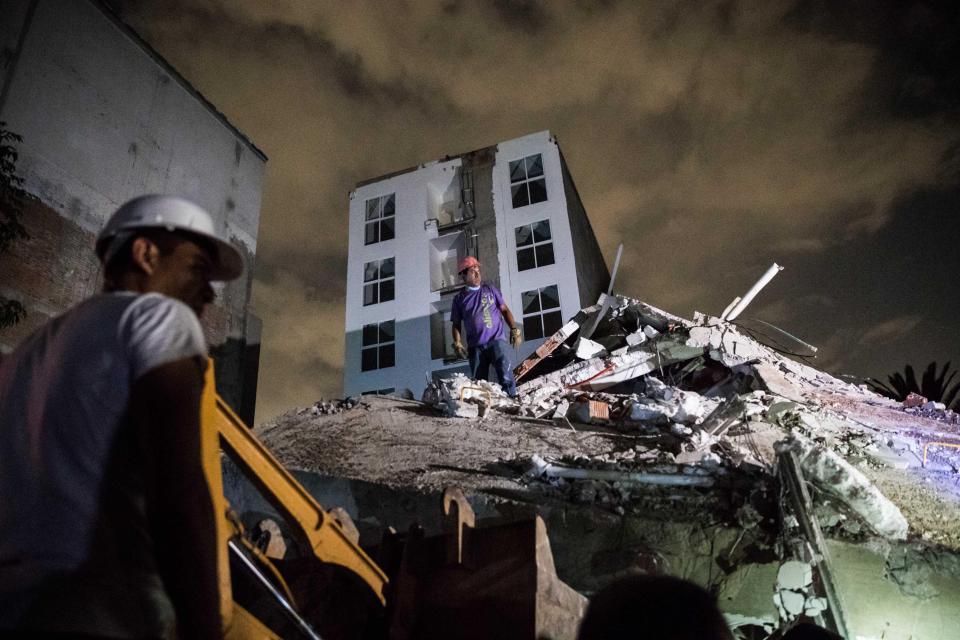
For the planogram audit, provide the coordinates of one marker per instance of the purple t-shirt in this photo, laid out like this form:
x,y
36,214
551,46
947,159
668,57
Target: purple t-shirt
x,y
480,313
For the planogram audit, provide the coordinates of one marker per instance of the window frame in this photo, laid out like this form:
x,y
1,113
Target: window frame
x,y
539,316
533,245
379,280
380,347
527,180
376,217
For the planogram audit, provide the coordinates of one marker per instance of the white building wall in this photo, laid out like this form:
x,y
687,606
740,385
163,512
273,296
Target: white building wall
x,y
103,121
411,306
562,272
415,192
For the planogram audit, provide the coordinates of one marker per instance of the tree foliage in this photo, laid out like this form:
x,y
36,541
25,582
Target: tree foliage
x,y
12,199
932,386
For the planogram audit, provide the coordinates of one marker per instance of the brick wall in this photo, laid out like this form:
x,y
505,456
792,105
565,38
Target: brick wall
x,y
55,268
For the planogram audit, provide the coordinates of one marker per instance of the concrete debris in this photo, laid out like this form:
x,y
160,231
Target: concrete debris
x,y
330,407
794,575
795,594
461,397
668,420
587,349
698,388
838,478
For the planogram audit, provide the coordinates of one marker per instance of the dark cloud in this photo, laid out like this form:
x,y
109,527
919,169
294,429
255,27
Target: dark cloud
x,y
915,74
529,16
711,138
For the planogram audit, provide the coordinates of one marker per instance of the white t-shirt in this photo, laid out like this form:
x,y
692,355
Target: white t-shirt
x,y
73,528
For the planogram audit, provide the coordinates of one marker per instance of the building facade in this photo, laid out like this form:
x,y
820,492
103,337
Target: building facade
x,y
514,206
105,118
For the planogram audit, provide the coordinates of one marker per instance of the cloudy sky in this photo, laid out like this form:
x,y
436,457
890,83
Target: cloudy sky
x,y
711,138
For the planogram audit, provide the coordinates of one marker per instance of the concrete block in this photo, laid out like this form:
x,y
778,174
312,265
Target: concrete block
x,y
587,349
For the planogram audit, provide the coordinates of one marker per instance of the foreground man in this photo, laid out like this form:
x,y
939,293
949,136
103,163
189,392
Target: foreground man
x,y
106,522
480,306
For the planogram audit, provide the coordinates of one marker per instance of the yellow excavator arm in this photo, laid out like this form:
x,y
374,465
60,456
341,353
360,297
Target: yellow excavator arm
x,y
225,433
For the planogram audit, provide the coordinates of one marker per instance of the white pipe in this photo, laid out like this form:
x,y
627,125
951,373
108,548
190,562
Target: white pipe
x,y
733,303
754,290
541,466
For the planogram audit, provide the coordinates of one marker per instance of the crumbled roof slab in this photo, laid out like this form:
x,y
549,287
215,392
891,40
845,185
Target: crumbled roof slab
x,y
667,395
664,420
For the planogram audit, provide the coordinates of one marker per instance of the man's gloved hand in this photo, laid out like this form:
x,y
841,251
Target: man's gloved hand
x,y
460,350
515,338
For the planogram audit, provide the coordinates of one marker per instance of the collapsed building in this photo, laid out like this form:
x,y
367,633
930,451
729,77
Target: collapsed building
x,y
652,443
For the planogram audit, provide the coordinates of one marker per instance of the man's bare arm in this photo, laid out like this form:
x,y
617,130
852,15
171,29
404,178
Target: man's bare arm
x,y
165,410
508,316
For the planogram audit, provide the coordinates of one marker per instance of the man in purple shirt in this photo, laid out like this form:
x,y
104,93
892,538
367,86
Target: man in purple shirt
x,y
481,309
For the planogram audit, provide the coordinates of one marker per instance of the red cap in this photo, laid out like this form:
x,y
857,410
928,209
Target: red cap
x,y
466,263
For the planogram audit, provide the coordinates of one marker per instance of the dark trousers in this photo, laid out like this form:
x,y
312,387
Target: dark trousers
x,y
493,353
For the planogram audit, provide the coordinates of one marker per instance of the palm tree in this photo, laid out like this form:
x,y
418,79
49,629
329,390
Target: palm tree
x,y
932,386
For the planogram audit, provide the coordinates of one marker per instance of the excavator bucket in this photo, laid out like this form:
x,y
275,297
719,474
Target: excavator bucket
x,y
470,582
473,583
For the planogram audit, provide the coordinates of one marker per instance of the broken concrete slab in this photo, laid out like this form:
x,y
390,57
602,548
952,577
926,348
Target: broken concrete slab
x,y
835,476
587,349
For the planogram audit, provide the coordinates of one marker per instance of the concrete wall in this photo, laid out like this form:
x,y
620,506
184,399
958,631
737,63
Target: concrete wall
x,y
481,164
492,232
592,273
104,119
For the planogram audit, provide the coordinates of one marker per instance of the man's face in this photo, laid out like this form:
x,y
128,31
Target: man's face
x,y
184,274
471,276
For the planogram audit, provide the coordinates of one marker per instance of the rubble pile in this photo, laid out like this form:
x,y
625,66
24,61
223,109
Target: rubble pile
x,y
331,407
650,442
711,407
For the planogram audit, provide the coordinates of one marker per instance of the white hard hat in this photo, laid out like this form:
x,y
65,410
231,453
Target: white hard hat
x,y
173,214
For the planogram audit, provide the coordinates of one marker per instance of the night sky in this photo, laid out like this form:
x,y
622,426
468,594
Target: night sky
x,y
710,138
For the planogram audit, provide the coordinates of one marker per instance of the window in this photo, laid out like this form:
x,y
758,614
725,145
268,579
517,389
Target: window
x,y
527,184
541,312
378,278
379,219
445,252
441,331
534,245
377,351
378,392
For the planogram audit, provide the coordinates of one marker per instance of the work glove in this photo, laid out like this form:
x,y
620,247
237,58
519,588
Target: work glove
x,y
460,350
515,338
